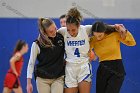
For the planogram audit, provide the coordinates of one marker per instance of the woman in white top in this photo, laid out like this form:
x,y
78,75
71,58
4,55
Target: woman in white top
x,y
78,68
48,49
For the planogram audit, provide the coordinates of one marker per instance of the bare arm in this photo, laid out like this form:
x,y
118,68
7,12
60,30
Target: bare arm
x,y
13,60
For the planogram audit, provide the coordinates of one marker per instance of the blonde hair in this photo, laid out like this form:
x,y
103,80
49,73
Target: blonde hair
x,y
44,23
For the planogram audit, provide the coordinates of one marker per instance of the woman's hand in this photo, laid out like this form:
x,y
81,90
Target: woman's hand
x,y
92,56
16,74
121,29
29,86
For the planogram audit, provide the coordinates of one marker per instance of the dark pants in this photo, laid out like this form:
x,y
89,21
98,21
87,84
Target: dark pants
x,y
110,76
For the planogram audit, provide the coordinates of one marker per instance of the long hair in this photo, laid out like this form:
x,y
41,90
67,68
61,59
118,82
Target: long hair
x,y
73,16
19,45
102,27
43,40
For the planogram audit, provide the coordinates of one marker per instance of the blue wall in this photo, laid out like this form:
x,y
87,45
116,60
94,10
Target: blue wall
x,y
12,29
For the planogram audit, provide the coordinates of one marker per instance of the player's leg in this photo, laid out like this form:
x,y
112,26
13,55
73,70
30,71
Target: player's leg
x,y
18,90
84,78
84,87
7,90
71,90
71,84
17,87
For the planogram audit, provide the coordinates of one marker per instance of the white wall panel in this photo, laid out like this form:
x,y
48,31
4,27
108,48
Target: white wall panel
x,y
54,8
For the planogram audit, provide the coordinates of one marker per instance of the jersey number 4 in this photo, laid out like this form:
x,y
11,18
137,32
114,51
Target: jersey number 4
x,y
77,52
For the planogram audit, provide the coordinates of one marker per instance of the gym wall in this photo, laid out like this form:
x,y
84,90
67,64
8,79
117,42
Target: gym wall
x,y
18,20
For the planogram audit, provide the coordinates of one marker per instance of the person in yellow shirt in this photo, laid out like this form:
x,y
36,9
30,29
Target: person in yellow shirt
x,y
106,45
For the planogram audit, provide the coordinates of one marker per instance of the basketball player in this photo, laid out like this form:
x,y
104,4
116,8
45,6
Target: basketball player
x,y
12,81
78,68
78,72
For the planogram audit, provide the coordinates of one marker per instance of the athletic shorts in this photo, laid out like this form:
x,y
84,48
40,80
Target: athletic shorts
x,y
77,72
11,81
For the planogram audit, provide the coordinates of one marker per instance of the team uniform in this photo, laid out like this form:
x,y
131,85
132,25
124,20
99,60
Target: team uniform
x,y
110,73
11,80
78,67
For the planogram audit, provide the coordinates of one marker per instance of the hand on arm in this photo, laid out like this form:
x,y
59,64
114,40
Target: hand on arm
x,y
121,29
125,36
92,55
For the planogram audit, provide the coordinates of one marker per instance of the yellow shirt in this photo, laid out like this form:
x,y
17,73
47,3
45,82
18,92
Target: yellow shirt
x,y
109,47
